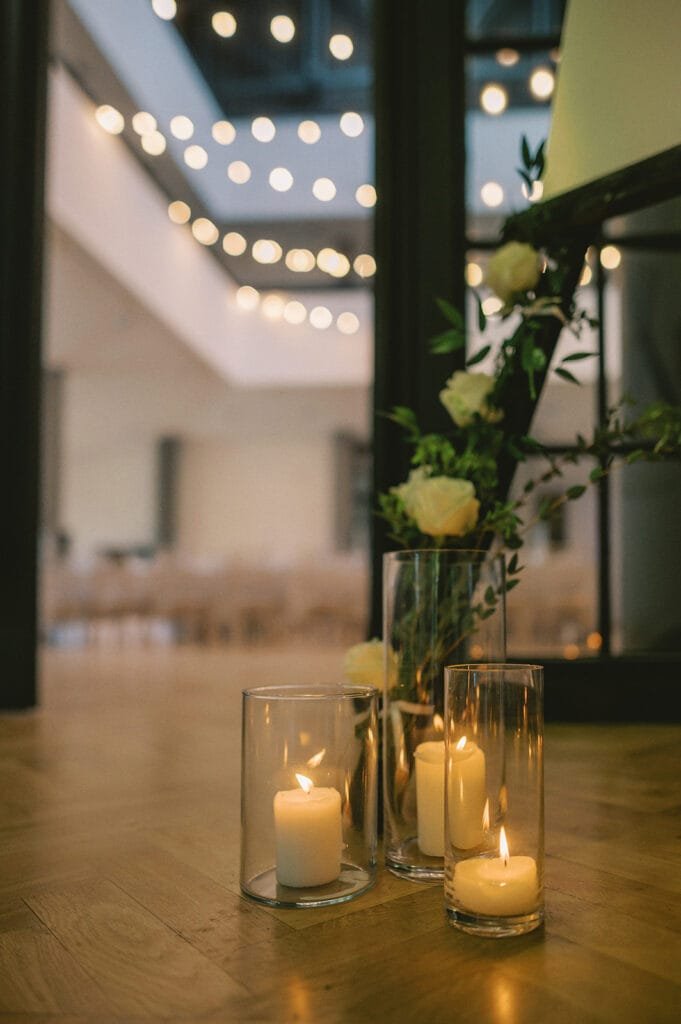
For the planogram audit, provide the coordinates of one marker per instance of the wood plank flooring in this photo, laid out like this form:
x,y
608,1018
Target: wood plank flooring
x,y
119,894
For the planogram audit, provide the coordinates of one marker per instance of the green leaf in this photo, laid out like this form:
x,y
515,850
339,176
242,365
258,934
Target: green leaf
x,y
525,152
514,542
575,492
450,313
546,507
539,159
490,596
479,356
406,418
597,474
566,375
511,584
482,319
512,566
486,614
529,486
448,341
578,355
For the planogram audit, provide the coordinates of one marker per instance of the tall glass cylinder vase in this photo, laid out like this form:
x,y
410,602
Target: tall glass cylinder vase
x,y
308,794
439,606
494,796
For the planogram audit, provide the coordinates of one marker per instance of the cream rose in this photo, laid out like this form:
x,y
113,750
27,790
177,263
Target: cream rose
x,y
364,664
514,268
440,505
465,394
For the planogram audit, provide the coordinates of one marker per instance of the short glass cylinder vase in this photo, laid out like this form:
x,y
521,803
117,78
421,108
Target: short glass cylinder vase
x,y
494,798
308,794
439,606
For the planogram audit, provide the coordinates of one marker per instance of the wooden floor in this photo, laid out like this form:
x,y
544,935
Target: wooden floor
x,y
119,896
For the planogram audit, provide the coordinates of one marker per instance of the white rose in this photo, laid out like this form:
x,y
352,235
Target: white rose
x,y
515,267
440,505
465,394
364,664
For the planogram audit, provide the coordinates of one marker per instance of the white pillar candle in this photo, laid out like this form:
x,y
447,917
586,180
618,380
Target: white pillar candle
x,y
466,794
497,886
430,797
308,835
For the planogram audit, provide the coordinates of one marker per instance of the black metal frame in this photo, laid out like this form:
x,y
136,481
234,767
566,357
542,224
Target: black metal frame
x,y
603,688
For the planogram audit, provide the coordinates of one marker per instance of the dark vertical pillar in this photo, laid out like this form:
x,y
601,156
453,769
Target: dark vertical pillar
x,y
23,53
168,461
420,224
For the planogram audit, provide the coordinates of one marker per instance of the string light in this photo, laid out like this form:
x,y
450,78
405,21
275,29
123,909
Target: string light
x,y
182,127
351,124
153,143
364,265
239,172
507,57
494,99
110,119
321,317
165,9
491,305
611,257
309,132
280,179
542,82
300,261
282,28
195,157
265,250
341,46
263,129
586,275
347,323
223,132
224,24
492,194
143,123
247,297
535,193
234,244
473,275
295,312
273,306
366,196
324,190
179,212
204,231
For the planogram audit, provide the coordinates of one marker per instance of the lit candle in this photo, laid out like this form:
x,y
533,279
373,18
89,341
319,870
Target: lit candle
x,y
466,794
308,834
497,886
430,797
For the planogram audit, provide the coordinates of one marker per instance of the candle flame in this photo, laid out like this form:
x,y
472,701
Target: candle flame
x,y
316,759
461,744
503,845
304,783
438,723
485,816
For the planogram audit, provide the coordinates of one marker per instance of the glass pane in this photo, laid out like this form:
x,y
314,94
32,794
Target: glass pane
x,y
501,108
519,18
210,323
553,612
646,528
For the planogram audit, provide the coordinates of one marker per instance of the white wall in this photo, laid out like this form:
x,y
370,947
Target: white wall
x,y
256,474
265,500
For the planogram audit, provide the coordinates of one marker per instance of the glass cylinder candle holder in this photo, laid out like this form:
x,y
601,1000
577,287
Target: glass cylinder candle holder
x,y
308,794
494,798
439,605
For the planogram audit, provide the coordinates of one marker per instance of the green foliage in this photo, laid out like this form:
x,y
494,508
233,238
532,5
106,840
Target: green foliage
x,y
474,452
